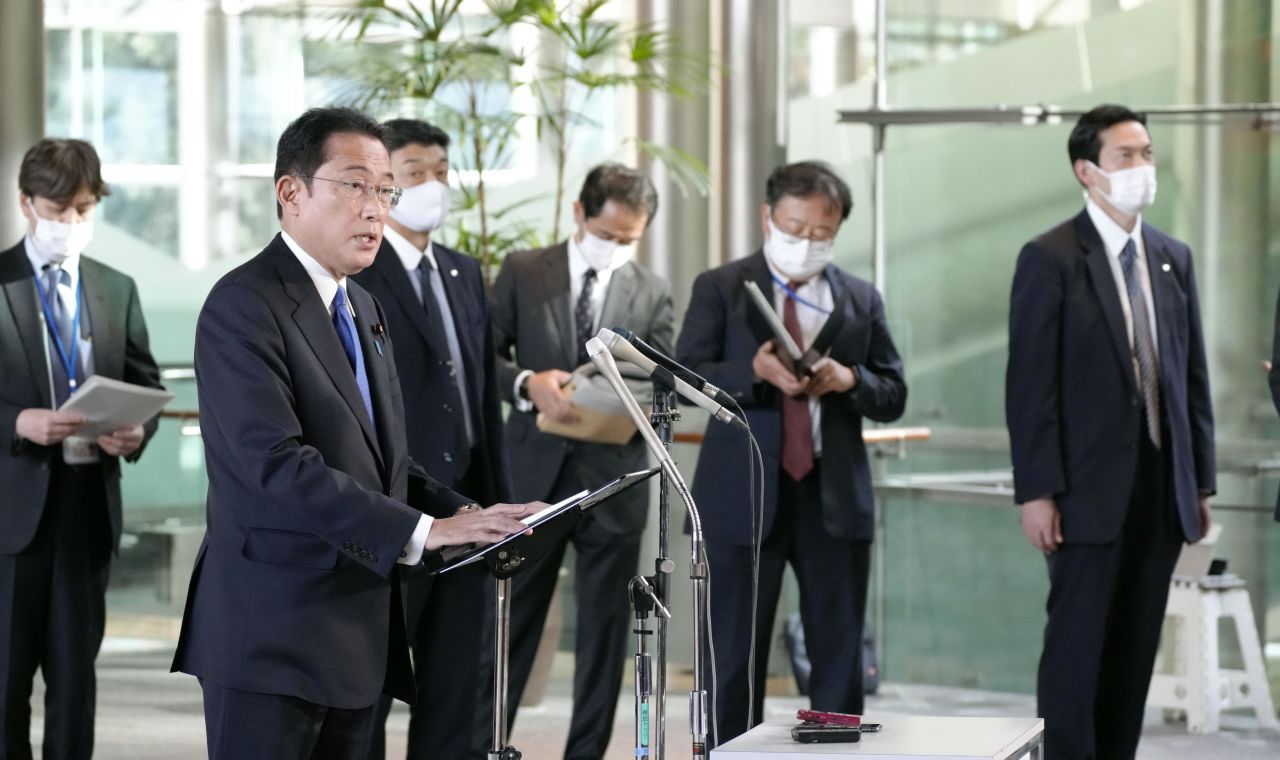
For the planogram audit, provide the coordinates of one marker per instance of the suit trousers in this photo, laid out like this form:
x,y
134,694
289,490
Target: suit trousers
x,y
446,615
52,612
832,575
246,725
606,563
1106,608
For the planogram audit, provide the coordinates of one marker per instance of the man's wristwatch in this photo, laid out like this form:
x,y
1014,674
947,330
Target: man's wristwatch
x,y
472,507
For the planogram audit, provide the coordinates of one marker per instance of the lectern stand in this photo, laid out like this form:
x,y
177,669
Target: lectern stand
x,y
511,555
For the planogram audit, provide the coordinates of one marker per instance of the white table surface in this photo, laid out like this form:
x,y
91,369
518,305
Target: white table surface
x,y
903,737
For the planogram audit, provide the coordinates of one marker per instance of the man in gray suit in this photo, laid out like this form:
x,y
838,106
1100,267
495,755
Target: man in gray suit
x,y
547,304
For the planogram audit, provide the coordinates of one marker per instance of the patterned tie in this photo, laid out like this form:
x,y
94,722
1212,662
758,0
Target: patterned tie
x,y
797,423
583,319
346,327
53,276
1148,375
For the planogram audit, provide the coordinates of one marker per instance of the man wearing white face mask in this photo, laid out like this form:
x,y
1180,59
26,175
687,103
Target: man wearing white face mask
x,y
546,304
63,317
819,511
438,316
1111,433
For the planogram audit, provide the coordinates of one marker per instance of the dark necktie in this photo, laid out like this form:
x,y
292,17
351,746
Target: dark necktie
x,y
346,327
583,318
53,276
1148,374
797,423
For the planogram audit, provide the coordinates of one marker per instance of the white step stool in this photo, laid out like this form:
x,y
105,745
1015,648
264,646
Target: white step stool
x,y
1192,681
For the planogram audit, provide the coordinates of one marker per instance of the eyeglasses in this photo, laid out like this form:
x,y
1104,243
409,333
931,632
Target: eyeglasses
x,y
388,195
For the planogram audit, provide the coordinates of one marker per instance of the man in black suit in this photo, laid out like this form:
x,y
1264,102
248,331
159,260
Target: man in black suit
x,y
819,510
294,620
438,313
63,318
546,304
1111,433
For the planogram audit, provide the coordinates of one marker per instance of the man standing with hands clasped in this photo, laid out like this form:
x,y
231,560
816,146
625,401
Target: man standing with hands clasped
x,y
1111,432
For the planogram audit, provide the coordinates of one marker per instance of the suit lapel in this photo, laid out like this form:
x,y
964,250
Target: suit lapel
x,y
104,311
375,364
1104,287
1163,303
757,270
388,266
316,325
19,290
556,294
618,298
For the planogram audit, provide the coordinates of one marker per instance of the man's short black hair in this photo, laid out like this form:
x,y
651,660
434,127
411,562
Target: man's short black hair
x,y
804,179
620,184
402,132
1085,141
58,169
301,149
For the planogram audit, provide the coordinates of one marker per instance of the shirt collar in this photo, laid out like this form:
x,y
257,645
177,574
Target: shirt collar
x,y
71,265
326,286
408,253
1113,235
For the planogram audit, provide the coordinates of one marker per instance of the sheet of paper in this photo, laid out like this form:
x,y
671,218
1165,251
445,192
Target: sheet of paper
x,y
109,405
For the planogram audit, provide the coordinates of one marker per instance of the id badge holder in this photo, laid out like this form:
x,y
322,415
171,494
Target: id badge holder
x,y
80,450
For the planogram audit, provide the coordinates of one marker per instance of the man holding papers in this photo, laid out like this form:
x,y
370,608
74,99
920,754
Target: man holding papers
x,y
63,318
546,304
819,510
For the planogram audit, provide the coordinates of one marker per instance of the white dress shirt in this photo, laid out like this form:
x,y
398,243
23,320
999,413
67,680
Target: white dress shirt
x,y
1114,238
327,286
578,267
817,291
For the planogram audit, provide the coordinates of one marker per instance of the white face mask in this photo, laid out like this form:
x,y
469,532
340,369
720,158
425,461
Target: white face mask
x,y
796,258
423,207
55,242
1132,190
604,255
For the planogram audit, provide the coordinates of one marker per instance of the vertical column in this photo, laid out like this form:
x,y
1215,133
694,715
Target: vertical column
x,y
746,141
22,92
677,246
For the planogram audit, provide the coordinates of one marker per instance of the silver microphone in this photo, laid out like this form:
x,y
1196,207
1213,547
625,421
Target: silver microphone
x,y
622,349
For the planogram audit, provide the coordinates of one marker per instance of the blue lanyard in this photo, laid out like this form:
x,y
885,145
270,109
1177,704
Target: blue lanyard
x,y
792,295
68,359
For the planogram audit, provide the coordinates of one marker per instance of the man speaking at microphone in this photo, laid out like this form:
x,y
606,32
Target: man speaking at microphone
x,y
819,511
547,304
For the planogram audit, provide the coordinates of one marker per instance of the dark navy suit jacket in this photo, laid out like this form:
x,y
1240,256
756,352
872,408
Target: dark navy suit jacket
x,y
120,351
295,590
433,424
1072,402
722,332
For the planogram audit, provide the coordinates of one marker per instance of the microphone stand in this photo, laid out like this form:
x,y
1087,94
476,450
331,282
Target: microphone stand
x,y
664,413
698,723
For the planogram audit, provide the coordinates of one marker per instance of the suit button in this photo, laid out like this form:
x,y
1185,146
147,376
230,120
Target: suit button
x,y
373,558
346,545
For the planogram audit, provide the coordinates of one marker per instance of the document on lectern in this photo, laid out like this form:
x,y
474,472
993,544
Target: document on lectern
x,y
456,557
109,405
